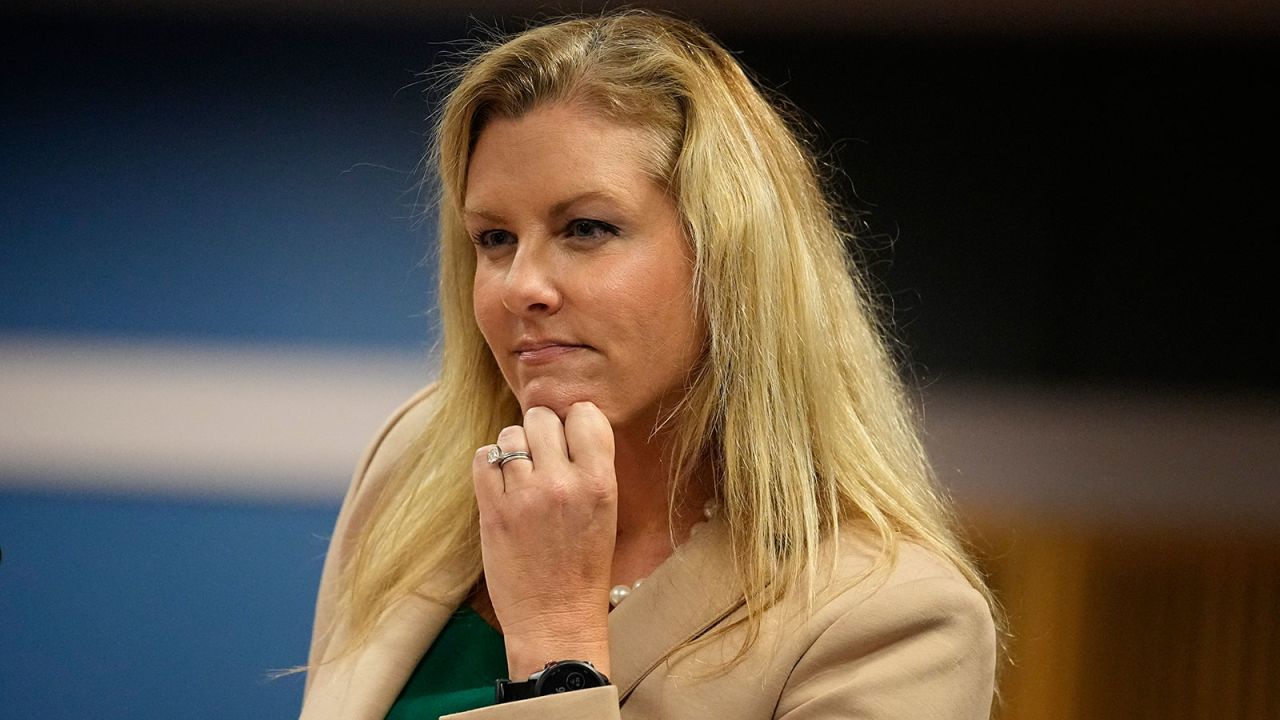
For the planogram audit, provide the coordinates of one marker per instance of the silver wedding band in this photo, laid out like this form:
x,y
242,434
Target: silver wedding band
x,y
496,455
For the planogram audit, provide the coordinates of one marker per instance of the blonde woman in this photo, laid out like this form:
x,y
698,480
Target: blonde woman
x,y
667,470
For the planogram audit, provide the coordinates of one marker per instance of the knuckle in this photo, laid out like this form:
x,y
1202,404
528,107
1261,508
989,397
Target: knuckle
x,y
598,487
510,432
558,494
582,407
540,411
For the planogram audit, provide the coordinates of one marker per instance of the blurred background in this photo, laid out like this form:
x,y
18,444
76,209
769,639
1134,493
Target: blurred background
x,y
215,283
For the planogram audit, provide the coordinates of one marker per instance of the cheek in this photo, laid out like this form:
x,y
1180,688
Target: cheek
x,y
662,296
687,327
486,305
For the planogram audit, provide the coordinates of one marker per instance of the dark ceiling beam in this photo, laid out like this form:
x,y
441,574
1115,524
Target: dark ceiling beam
x,y
1242,18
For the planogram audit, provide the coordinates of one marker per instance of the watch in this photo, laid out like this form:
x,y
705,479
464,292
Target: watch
x,y
556,677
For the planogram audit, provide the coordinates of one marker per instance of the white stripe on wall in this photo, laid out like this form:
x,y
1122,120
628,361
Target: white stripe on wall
x,y
287,422
290,422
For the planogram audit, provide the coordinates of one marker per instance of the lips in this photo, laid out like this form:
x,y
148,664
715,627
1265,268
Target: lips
x,y
539,351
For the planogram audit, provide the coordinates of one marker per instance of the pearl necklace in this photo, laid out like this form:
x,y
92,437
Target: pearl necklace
x,y
622,592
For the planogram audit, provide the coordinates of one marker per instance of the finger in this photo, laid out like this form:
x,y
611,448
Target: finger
x,y
589,437
517,472
545,434
487,479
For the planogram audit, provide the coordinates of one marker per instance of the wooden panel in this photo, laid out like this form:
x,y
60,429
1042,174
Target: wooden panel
x,y
1111,623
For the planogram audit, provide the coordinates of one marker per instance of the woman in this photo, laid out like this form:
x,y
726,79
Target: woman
x,y
697,490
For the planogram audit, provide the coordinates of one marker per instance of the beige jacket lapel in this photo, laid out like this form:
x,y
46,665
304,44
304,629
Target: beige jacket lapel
x,y
363,684
686,595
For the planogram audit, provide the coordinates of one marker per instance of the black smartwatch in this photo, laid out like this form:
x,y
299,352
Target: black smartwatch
x,y
557,677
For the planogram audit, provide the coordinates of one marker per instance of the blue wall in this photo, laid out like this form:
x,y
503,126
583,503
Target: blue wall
x,y
140,607
240,184
186,182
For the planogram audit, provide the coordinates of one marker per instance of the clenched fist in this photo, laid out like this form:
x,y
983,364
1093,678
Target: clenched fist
x,y
547,530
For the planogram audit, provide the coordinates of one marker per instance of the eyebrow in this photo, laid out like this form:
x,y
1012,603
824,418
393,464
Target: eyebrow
x,y
563,206
486,214
560,208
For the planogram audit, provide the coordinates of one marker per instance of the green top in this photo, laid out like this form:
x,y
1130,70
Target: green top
x,y
457,673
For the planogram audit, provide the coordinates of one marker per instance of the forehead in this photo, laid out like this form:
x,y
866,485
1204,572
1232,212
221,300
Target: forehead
x,y
552,151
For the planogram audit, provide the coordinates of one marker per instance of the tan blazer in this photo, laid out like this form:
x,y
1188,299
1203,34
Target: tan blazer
x,y
917,644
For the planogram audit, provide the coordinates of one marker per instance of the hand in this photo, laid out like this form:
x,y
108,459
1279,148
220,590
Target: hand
x,y
547,529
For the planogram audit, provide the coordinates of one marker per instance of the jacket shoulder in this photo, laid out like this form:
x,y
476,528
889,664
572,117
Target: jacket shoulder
x,y
394,438
914,640
389,444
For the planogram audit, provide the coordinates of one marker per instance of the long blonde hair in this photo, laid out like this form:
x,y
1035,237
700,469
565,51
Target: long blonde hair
x,y
797,405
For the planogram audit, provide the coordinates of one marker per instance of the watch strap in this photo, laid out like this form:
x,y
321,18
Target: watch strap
x,y
582,675
511,690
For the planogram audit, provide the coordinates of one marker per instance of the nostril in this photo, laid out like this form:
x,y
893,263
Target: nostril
x,y
530,287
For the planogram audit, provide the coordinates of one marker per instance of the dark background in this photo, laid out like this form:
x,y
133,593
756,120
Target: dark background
x,y
1056,206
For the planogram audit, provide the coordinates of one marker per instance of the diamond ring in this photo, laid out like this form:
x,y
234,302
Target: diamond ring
x,y
496,455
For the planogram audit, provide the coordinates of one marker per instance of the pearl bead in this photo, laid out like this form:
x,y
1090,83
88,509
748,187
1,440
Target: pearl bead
x,y
622,592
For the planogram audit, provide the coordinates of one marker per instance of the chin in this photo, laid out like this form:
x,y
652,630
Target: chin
x,y
559,398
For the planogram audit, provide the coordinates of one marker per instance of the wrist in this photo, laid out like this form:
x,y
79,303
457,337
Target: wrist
x,y
527,655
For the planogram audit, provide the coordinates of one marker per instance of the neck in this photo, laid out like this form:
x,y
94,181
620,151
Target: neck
x,y
644,473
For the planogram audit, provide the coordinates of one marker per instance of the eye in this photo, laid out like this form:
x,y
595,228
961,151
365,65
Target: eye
x,y
492,238
589,229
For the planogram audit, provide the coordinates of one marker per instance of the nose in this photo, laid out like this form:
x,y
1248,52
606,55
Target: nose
x,y
531,285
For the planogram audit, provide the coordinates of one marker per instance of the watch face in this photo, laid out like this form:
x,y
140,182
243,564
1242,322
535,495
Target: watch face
x,y
567,676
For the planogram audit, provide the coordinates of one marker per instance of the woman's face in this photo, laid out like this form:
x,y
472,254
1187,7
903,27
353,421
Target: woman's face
x,y
583,272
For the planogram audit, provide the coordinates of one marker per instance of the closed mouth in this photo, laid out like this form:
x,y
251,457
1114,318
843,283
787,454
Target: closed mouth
x,y
544,350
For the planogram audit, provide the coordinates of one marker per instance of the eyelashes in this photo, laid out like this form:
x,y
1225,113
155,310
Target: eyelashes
x,y
590,229
492,238
578,229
